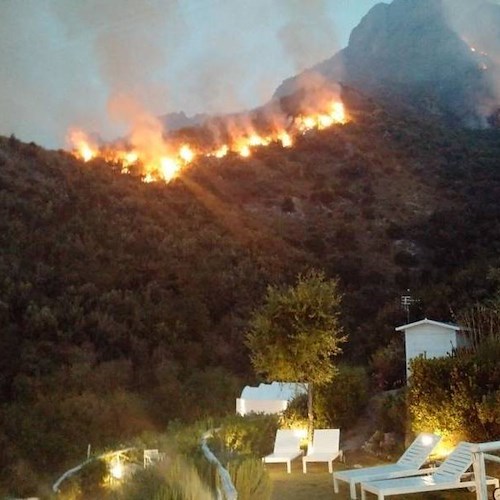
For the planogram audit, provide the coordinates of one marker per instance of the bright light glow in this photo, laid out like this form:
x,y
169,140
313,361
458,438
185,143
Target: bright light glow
x,y
244,151
117,469
427,440
130,157
301,433
81,145
186,153
285,139
443,449
221,152
169,168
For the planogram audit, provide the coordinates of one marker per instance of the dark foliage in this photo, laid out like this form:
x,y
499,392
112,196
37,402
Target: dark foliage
x,y
123,304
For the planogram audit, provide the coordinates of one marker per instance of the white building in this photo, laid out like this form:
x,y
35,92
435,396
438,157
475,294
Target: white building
x,y
432,339
268,398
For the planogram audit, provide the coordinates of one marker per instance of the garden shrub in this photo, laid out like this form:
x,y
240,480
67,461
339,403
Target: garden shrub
x,y
177,479
251,479
340,402
456,396
249,435
388,365
336,404
392,412
295,415
92,478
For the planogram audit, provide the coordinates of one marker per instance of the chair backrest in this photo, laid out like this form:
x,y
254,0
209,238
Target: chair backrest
x,y
287,440
326,440
456,463
416,454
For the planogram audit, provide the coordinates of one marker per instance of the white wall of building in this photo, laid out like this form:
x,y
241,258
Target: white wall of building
x,y
431,339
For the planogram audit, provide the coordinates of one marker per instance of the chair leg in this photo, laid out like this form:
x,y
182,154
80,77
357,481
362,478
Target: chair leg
x,y
335,485
330,467
352,487
304,466
289,466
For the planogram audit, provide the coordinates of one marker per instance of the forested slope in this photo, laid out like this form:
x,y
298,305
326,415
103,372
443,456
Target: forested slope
x,y
123,304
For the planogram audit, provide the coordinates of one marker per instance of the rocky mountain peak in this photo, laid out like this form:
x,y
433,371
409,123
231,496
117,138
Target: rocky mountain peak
x,y
422,49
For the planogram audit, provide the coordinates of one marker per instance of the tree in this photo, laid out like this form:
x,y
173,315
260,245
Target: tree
x,y
294,335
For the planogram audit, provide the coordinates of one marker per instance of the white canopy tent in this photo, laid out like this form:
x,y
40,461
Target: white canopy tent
x,y
268,398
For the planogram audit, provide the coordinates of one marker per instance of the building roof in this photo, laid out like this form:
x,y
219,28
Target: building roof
x,y
426,321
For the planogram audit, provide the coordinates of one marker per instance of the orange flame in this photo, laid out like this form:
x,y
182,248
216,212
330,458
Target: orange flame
x,y
82,145
160,159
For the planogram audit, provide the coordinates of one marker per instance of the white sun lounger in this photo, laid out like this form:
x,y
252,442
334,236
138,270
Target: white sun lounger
x,y
325,448
408,464
448,476
286,448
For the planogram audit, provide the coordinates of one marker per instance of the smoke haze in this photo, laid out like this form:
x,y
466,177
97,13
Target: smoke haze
x,y
477,22
64,62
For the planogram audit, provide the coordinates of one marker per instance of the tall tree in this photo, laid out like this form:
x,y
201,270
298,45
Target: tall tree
x,y
296,332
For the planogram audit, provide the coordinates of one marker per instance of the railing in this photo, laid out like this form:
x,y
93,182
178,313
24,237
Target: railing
x,y
228,490
479,453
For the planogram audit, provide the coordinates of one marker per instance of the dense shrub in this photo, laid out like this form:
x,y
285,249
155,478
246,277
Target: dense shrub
x,y
251,435
176,480
336,404
456,396
251,479
392,415
388,365
339,403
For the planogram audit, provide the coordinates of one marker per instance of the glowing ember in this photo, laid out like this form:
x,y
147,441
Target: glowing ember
x,y
337,112
244,151
169,168
285,139
82,147
256,140
130,158
221,152
186,153
160,159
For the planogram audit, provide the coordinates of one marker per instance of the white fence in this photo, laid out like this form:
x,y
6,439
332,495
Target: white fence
x,y
228,490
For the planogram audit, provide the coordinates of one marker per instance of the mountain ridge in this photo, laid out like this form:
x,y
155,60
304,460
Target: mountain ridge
x,y
410,47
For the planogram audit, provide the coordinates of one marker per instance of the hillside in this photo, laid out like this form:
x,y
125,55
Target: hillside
x,y
123,304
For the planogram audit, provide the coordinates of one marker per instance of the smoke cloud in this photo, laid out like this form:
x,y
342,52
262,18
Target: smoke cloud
x,y
308,36
64,63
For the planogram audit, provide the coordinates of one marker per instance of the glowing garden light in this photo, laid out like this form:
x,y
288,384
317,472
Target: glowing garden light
x,y
116,469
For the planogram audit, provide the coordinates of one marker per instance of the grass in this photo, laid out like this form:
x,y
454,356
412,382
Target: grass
x,y
317,483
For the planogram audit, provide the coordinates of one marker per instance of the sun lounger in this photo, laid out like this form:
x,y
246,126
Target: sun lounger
x,y
408,464
286,448
451,474
324,448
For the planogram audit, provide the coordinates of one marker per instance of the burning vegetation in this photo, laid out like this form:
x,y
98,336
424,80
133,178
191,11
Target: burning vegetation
x,y
160,157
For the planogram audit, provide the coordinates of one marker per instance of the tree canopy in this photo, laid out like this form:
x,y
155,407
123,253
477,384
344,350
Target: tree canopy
x,y
294,335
